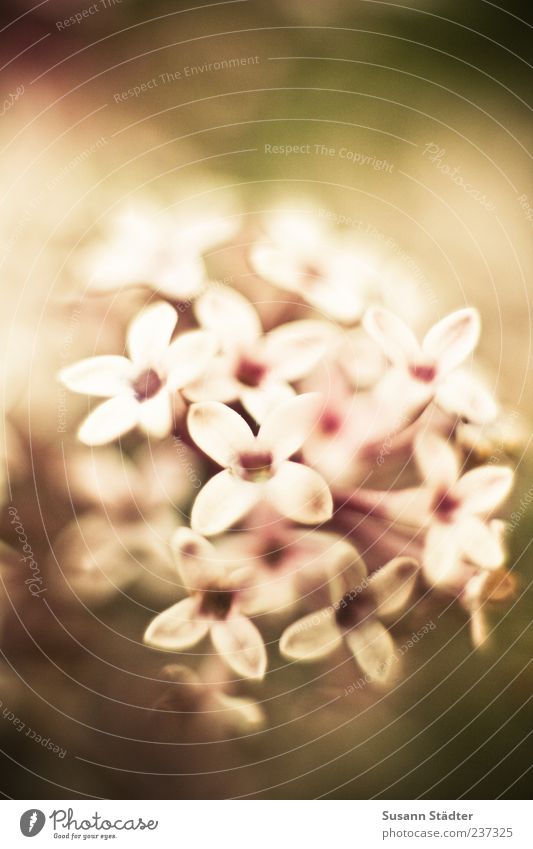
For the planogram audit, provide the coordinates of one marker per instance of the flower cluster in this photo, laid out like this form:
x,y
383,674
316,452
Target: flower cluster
x,y
329,484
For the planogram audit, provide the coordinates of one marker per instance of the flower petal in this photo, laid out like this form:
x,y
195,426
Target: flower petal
x,y
230,317
393,584
196,559
373,648
104,376
181,280
223,501
240,644
300,493
441,558
150,332
312,637
394,337
261,401
155,414
452,339
287,427
276,266
463,395
219,431
177,628
479,543
110,420
295,348
482,490
436,460
188,357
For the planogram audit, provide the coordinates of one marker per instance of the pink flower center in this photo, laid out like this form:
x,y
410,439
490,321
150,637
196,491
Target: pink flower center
x,y
274,552
330,422
445,505
216,603
147,385
250,372
424,372
255,465
354,607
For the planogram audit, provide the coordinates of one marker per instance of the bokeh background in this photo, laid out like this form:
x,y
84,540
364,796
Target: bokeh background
x,y
424,88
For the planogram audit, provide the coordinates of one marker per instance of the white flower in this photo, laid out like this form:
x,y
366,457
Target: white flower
x,y
165,253
355,619
303,257
427,365
453,509
141,387
255,369
213,607
256,467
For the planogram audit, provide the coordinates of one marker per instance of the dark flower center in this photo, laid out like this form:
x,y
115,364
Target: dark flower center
x,y
250,372
329,423
255,465
147,385
425,373
445,505
216,603
273,553
354,607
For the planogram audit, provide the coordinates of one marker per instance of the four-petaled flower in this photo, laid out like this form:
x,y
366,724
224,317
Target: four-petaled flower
x,y
355,618
214,606
140,388
254,368
257,467
301,256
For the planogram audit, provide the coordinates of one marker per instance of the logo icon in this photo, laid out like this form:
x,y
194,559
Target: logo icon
x,y
32,822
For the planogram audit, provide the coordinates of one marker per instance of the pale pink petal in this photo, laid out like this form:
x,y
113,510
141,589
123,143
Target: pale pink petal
x,y
411,506
261,401
196,559
479,543
286,428
240,644
276,266
223,501
177,628
244,714
155,415
436,460
102,376
373,648
150,332
482,490
343,564
460,394
219,431
479,627
441,558
338,299
394,337
300,493
217,384
188,358
110,420
293,349
452,339
393,584
181,280
312,637
230,317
